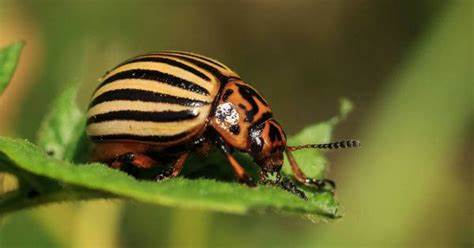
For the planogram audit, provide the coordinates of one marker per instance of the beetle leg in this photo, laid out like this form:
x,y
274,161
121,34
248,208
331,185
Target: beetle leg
x,y
302,178
175,169
179,164
135,159
203,147
239,171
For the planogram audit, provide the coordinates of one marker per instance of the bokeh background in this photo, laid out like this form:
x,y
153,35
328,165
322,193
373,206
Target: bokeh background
x,y
407,66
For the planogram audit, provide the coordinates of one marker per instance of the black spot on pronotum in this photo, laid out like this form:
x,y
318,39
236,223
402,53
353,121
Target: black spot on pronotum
x,y
227,94
235,129
242,106
248,94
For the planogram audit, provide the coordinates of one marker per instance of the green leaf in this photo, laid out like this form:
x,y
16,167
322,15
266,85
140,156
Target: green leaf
x,y
47,173
63,127
8,60
182,192
311,161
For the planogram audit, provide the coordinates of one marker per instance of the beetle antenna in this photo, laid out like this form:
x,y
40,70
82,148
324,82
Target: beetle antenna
x,y
332,145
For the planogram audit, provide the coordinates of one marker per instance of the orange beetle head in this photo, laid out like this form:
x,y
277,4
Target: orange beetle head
x,y
267,144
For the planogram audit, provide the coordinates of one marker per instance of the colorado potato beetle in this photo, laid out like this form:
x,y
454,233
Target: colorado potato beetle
x,y
169,104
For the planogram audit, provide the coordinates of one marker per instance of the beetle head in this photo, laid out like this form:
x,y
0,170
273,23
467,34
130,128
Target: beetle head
x,y
267,144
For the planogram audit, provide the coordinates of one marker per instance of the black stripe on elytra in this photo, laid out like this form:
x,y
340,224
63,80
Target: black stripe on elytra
x,y
150,138
234,129
168,61
211,69
200,57
156,76
135,115
144,96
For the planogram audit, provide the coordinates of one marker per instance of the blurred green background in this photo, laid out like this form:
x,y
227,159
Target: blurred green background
x,y
407,66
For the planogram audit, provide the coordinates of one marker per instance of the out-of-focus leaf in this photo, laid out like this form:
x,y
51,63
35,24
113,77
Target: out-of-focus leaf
x,y
8,60
63,127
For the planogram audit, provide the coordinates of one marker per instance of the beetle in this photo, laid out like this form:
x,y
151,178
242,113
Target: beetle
x,y
162,106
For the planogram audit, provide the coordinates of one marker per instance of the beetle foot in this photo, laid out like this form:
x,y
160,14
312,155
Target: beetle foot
x,y
263,177
291,187
122,160
281,182
127,157
247,180
166,174
320,183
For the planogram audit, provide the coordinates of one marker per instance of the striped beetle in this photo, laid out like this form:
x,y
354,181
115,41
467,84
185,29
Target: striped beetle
x,y
168,104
